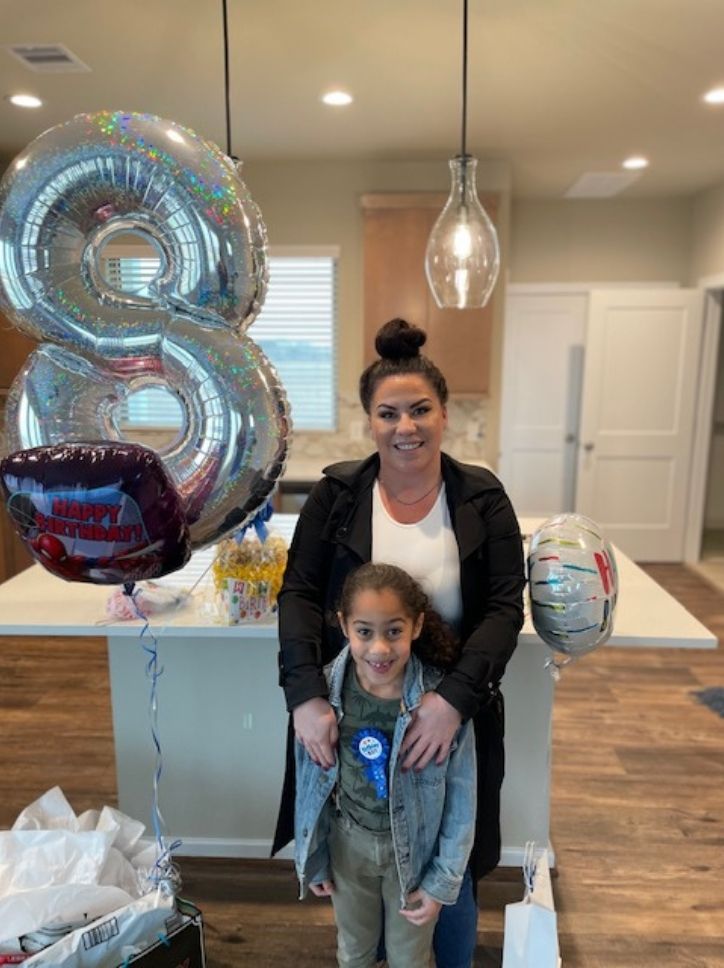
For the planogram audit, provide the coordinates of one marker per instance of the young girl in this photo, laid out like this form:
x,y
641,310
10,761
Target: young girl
x,y
381,841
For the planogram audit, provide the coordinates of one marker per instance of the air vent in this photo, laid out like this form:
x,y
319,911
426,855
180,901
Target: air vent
x,y
48,58
601,184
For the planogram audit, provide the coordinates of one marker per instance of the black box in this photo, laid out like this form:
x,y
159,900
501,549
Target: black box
x,y
183,946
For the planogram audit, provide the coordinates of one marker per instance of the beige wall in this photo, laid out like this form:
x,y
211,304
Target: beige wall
x,y
606,240
707,244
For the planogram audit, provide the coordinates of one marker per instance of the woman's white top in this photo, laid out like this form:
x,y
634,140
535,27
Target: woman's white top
x,y
427,550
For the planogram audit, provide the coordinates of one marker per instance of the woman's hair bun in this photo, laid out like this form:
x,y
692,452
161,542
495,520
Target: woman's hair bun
x,y
397,340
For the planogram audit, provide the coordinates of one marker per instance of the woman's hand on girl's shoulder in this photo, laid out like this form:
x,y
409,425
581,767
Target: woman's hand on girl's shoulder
x,y
431,732
315,726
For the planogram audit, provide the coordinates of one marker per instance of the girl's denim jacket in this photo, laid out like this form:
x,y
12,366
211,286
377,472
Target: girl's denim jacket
x,y
432,811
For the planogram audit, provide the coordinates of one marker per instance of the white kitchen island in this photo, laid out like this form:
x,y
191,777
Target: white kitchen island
x,y
222,719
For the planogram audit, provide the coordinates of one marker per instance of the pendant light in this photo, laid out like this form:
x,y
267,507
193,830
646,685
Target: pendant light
x,y
463,257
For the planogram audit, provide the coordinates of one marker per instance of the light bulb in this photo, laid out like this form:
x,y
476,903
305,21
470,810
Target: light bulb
x,y
462,281
462,240
463,258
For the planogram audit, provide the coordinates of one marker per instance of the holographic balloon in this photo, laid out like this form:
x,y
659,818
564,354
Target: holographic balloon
x,y
573,584
84,183
73,191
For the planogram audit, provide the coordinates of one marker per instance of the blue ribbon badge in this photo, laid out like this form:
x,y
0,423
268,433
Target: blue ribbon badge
x,y
372,748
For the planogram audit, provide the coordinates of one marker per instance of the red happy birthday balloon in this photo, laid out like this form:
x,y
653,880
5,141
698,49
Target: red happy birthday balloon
x,y
103,513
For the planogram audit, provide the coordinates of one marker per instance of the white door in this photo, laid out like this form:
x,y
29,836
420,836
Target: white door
x,y
541,387
637,418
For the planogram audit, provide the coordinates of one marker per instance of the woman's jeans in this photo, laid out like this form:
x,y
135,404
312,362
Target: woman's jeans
x,y
456,932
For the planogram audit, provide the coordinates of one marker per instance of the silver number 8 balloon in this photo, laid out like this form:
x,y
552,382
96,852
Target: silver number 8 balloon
x,y
74,190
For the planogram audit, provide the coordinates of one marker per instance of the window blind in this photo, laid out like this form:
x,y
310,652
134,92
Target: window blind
x,y
295,329
131,275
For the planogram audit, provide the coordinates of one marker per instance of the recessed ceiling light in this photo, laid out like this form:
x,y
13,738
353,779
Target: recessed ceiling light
x,y
635,163
25,100
338,98
715,96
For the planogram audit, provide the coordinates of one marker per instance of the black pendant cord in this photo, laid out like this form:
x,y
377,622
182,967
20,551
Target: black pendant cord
x,y
226,78
463,139
465,78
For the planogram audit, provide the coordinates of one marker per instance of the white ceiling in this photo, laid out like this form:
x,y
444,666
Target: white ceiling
x,y
556,87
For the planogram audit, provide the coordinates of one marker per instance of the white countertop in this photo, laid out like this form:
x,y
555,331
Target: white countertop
x,y
36,603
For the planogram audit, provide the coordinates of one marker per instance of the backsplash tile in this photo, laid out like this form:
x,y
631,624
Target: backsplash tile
x,y
464,437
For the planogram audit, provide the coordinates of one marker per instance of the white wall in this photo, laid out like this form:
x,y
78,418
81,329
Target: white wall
x,y
707,259
714,507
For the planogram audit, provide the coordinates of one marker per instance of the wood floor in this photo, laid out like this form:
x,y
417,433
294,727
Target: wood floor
x,y
637,813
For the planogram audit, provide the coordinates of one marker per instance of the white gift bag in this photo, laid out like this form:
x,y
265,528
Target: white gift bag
x,y
531,936
531,931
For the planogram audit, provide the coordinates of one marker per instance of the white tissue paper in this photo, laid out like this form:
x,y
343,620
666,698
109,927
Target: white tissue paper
x,y
60,872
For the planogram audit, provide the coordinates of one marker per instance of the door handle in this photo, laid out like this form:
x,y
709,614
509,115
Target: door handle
x,y
588,447
570,438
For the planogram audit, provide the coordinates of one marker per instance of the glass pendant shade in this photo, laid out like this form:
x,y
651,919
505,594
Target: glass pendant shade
x,y
463,257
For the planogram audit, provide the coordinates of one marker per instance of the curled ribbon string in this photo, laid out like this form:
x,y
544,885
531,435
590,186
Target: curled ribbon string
x,y
530,867
193,588
554,666
164,870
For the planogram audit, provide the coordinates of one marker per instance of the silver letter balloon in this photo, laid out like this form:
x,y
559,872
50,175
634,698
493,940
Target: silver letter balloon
x,y
63,200
573,584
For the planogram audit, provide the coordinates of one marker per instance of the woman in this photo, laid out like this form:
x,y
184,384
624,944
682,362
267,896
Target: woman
x,y
450,526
